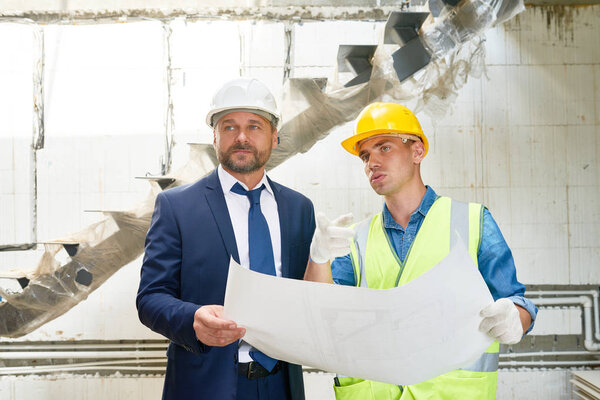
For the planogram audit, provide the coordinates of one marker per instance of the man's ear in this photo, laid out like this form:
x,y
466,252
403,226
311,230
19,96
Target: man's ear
x,y
418,151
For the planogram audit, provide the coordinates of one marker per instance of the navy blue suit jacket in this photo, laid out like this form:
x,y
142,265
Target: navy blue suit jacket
x,y
185,266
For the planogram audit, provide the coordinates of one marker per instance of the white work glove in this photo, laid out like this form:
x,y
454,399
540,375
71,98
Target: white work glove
x,y
331,238
502,321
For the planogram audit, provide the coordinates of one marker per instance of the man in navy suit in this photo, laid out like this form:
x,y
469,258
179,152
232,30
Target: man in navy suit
x,y
195,230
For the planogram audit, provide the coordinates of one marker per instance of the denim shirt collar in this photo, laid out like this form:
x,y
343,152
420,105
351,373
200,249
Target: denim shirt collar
x,y
426,203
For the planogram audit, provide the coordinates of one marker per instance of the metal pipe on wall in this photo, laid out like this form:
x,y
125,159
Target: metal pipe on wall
x,y
542,363
595,302
37,355
547,354
79,346
118,365
583,301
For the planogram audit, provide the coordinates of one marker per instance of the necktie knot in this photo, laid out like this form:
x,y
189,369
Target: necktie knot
x,y
253,195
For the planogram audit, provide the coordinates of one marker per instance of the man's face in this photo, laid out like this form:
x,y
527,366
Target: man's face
x,y
244,141
390,164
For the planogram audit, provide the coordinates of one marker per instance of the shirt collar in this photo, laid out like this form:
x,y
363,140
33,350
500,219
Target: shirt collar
x,y
423,209
227,181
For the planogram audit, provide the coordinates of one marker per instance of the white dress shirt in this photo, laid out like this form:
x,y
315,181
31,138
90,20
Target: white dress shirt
x,y
238,206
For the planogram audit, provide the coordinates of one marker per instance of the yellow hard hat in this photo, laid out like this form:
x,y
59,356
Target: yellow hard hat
x,y
384,118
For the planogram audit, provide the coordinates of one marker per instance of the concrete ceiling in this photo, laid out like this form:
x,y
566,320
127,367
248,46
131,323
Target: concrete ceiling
x,y
56,10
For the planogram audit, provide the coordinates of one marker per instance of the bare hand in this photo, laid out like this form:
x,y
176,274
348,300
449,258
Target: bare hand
x,y
212,330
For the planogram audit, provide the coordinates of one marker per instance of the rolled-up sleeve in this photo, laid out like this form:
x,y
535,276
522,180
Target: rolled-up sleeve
x,y
342,271
497,267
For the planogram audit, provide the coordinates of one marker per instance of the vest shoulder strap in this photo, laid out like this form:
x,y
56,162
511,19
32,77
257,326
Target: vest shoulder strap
x,y
359,247
459,222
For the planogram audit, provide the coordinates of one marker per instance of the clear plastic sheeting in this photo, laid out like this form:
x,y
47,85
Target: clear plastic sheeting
x,y
508,9
60,281
436,86
442,79
458,25
310,113
55,287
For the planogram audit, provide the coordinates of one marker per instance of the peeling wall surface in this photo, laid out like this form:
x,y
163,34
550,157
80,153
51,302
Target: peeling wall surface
x,y
524,139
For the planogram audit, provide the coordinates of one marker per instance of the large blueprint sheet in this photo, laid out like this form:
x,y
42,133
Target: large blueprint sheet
x,y
401,336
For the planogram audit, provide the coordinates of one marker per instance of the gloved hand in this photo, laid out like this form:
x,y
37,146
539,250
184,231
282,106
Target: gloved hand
x,y
331,238
502,321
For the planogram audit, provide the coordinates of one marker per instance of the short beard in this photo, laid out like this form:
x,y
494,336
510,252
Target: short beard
x,y
259,161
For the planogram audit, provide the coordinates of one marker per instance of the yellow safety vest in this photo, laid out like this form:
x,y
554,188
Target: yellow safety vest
x,y
376,265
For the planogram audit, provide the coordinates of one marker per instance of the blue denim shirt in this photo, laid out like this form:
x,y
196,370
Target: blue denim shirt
x,y
496,263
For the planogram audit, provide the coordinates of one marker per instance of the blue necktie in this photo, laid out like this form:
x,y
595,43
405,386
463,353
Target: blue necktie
x,y
260,250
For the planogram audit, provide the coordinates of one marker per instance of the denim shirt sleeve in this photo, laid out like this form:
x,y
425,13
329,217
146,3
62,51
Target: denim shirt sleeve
x,y
342,271
497,266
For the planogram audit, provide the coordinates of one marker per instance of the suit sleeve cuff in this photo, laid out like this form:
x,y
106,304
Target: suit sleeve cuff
x,y
191,342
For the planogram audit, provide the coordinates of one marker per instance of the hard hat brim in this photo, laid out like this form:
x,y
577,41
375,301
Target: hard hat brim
x,y
351,143
245,108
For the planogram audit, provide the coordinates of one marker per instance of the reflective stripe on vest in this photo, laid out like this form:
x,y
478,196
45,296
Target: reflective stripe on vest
x,y
488,362
360,241
459,222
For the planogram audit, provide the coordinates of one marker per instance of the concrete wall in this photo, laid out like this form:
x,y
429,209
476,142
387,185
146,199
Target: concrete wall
x,y
524,140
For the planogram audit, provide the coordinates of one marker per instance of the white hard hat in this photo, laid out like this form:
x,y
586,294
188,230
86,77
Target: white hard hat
x,y
244,94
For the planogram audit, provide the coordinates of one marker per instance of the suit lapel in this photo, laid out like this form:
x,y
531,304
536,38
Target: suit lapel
x,y
216,202
284,215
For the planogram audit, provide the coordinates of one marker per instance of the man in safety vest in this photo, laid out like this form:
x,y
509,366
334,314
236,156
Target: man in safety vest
x,y
412,233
